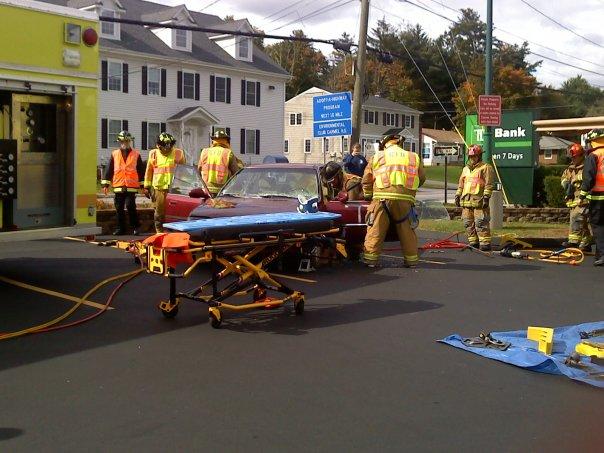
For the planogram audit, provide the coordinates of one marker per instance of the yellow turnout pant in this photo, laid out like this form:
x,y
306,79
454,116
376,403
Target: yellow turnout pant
x,y
159,198
476,222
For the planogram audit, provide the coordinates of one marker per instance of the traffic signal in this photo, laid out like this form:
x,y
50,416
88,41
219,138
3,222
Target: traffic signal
x,y
8,169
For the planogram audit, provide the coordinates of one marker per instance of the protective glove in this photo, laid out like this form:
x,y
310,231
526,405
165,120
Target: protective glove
x,y
342,196
457,201
147,193
368,197
485,202
582,197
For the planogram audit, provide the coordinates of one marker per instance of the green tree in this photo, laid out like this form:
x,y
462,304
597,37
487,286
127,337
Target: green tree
x,y
307,65
581,95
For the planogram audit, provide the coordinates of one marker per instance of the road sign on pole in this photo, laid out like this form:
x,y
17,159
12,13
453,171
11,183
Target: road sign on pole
x,y
332,115
489,110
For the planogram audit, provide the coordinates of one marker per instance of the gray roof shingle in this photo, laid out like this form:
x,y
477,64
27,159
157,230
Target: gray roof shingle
x,y
383,103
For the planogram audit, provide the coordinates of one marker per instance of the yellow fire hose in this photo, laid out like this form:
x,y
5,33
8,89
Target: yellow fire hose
x,y
95,288
571,256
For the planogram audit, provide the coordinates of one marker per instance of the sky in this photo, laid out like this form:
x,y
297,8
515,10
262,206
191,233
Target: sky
x,y
328,19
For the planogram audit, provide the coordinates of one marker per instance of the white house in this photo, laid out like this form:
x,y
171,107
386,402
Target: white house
x,y
183,82
436,143
380,116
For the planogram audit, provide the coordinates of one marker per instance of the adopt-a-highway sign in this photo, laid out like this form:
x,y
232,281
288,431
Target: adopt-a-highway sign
x,y
332,115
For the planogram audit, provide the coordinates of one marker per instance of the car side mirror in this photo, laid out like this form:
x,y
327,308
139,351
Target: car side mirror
x,y
199,192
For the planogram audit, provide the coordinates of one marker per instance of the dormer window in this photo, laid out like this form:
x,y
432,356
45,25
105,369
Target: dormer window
x,y
181,40
244,48
110,30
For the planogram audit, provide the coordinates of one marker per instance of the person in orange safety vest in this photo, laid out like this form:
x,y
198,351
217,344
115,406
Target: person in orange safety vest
x,y
592,189
160,173
125,174
218,163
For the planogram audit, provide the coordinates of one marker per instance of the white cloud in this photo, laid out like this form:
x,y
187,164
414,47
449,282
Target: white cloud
x,y
510,15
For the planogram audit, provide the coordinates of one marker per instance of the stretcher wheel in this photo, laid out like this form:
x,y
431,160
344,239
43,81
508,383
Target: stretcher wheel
x,y
299,306
215,318
170,314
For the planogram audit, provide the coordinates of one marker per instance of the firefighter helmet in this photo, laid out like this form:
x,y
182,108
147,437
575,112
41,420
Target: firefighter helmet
x,y
220,133
475,150
576,150
388,138
124,136
331,170
165,139
594,134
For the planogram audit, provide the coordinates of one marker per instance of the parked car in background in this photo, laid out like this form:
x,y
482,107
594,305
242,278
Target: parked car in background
x,y
262,189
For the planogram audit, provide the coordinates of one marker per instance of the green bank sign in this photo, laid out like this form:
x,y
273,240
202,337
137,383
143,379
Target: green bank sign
x,y
513,140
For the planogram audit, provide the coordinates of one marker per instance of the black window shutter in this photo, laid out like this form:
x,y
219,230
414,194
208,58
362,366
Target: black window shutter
x,y
125,77
144,79
396,120
212,133
228,90
257,99
124,125
144,135
257,141
366,119
243,92
164,76
384,118
375,117
212,87
403,120
242,141
162,127
228,131
179,85
197,86
104,75
412,121
104,133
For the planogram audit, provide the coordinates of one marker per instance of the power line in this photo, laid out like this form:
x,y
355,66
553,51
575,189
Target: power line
x,y
322,10
208,5
283,9
562,25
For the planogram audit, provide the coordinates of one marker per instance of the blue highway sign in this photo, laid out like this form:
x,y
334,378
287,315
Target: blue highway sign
x,y
332,115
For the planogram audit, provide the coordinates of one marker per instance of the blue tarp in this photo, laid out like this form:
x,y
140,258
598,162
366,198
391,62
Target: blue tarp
x,y
524,353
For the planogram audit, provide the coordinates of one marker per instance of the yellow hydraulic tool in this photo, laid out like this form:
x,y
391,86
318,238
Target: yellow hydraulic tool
x,y
544,336
591,349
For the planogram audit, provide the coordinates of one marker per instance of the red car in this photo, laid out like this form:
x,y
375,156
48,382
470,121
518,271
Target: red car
x,y
261,189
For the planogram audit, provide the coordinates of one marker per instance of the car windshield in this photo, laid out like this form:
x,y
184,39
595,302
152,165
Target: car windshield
x,y
186,178
272,182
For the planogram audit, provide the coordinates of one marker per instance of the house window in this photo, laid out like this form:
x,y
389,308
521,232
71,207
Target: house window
x,y
153,130
390,119
426,151
307,146
153,81
243,48
108,28
181,39
325,145
188,85
286,147
407,120
344,144
220,89
250,141
295,119
370,118
250,93
114,128
114,76
548,154
413,146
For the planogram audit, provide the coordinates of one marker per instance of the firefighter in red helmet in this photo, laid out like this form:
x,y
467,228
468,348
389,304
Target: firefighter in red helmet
x,y
578,234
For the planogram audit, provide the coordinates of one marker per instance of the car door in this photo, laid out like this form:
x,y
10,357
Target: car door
x,y
178,202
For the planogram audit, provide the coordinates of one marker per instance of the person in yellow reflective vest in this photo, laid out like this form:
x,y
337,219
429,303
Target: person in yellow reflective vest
x,y
218,163
125,173
391,179
578,235
473,195
160,173
592,188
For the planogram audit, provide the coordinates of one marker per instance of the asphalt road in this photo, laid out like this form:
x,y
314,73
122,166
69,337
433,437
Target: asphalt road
x,y
359,371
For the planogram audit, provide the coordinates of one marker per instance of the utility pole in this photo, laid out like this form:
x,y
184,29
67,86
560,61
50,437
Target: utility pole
x,y
488,79
359,75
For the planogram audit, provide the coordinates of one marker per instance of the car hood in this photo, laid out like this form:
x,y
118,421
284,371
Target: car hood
x,y
230,207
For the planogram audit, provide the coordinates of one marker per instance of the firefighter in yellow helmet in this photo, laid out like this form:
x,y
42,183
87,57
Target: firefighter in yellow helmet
x,y
473,195
592,188
391,179
159,174
578,235
218,163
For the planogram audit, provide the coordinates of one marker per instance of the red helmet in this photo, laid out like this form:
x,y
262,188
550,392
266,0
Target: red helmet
x,y
475,150
575,150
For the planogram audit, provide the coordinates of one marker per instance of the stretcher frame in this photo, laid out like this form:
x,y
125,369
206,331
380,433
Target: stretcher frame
x,y
246,258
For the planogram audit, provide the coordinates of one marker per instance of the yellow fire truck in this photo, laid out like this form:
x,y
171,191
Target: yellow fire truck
x,y
48,120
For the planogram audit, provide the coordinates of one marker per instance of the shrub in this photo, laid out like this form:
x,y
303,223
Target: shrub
x,y
541,173
554,193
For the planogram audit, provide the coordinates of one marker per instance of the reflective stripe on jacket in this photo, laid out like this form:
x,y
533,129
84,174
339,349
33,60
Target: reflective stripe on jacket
x,y
214,167
599,185
573,176
125,173
160,168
